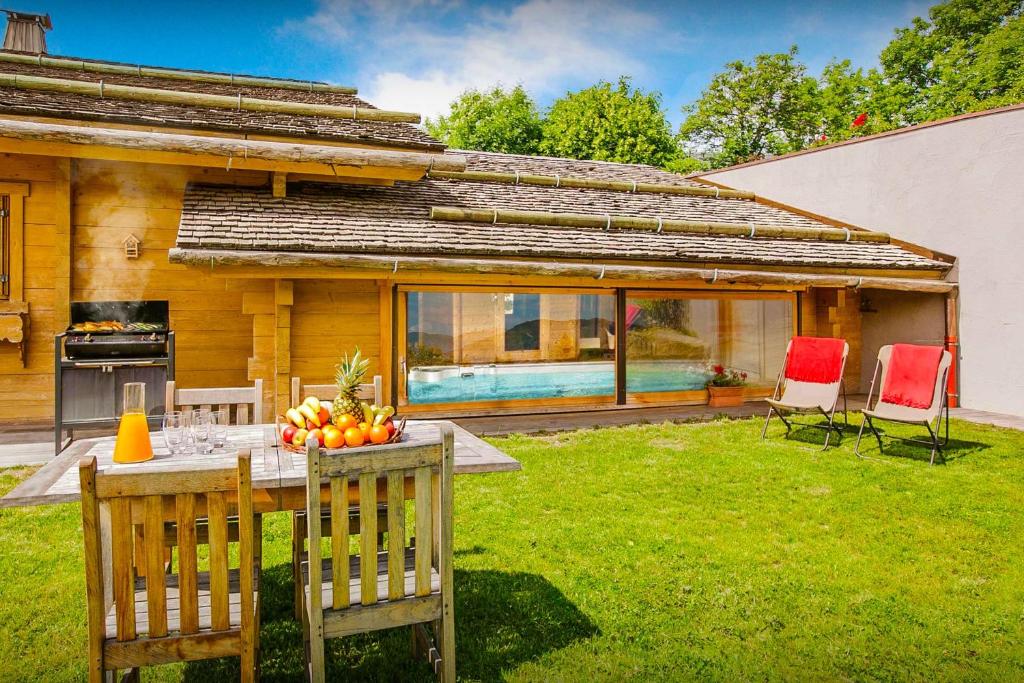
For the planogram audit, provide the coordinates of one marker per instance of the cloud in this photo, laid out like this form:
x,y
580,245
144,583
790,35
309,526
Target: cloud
x,y
419,56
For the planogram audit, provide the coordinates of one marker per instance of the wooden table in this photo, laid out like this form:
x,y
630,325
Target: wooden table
x,y
278,475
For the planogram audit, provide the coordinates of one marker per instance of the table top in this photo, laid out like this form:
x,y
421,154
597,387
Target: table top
x,y
273,467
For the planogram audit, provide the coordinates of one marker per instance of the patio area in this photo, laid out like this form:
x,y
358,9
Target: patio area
x,y
646,552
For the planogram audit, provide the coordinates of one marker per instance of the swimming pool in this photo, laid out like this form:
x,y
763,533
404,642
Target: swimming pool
x,y
451,384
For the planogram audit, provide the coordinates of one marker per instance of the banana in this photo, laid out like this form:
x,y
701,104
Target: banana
x,y
383,414
307,411
367,412
296,418
313,402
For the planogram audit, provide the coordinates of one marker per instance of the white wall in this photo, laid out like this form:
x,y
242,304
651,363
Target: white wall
x,y
957,188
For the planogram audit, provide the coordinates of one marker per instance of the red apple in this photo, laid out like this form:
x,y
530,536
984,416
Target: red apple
x,y
310,426
288,434
390,424
318,434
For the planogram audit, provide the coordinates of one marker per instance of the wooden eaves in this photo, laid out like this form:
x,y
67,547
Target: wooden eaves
x,y
52,139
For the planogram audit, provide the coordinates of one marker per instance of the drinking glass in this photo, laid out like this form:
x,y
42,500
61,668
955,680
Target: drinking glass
x,y
174,428
201,431
219,420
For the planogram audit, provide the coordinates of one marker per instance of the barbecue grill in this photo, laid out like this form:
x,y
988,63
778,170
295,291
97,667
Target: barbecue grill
x,y
107,344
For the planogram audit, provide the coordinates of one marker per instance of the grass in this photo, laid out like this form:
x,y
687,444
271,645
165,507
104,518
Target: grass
x,y
652,552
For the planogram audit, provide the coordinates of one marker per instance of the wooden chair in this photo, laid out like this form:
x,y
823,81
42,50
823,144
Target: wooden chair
x,y
247,402
139,621
374,393
403,586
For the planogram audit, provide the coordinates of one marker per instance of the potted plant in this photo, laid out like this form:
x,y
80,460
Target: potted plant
x,y
725,387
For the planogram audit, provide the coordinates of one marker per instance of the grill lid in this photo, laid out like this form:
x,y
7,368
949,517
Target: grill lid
x,y
118,317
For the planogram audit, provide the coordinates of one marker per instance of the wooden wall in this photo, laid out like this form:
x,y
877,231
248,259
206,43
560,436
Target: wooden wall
x,y
26,393
836,313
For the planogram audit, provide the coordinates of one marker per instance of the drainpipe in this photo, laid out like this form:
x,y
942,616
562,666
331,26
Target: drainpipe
x,y
953,346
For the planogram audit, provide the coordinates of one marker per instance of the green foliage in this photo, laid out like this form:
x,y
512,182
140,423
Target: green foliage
x,y
610,122
752,110
492,121
968,56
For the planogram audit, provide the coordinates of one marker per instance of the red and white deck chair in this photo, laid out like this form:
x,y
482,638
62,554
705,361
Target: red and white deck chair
x,y
912,390
811,381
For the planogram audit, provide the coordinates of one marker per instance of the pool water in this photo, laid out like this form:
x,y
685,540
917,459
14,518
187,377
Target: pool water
x,y
548,380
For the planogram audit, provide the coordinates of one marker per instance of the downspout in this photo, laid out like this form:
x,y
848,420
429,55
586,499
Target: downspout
x,y
953,346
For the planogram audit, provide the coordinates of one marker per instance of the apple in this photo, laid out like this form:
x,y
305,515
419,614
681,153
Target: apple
x,y
310,426
289,433
390,424
299,438
318,434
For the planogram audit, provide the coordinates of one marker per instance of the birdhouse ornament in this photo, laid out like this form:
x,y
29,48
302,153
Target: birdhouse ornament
x,y
131,246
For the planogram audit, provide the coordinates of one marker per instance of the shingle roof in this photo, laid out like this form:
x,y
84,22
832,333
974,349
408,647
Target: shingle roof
x,y
84,107
396,220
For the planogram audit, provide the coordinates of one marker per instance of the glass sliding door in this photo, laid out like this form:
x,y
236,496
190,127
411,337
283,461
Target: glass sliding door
x,y
673,339
478,346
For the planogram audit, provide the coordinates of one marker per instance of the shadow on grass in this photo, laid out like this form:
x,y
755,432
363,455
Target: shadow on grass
x,y
502,620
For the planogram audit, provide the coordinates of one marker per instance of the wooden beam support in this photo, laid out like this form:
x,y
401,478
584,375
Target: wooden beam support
x,y
51,139
279,181
210,258
63,243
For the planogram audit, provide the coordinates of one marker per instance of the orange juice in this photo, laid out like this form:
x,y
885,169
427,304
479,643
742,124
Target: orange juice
x,y
133,444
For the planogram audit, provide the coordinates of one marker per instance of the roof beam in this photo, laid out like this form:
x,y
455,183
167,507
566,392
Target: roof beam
x,y
49,139
198,99
212,258
608,221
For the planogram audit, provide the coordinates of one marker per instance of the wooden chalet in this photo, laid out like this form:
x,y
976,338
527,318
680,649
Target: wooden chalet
x,y
287,222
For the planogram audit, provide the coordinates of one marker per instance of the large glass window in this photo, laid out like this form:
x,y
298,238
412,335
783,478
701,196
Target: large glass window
x,y
498,346
673,340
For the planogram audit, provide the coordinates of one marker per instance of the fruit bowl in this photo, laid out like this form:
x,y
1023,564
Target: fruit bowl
x,y
282,423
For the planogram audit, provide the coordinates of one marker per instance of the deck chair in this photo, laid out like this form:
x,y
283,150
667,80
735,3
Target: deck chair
x,y
406,585
374,393
811,381
912,390
244,404
137,621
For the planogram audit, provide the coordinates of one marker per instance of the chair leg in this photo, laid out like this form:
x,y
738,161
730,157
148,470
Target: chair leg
x,y
860,433
764,431
444,633
316,657
298,545
935,442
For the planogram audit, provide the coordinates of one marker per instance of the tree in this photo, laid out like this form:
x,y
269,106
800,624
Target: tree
x,y
492,121
752,110
968,56
609,122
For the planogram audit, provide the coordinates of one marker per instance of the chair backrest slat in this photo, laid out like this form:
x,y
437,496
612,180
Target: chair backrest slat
x,y
188,566
424,531
339,542
396,534
372,392
122,560
217,512
368,537
241,398
156,586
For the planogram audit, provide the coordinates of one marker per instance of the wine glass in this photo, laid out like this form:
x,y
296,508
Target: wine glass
x,y
174,427
201,429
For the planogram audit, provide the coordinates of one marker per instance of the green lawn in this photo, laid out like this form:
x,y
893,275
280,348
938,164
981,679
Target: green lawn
x,y
652,552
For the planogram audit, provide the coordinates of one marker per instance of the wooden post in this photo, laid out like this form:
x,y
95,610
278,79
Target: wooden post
x,y
620,347
284,297
258,301
953,346
386,363
279,181
64,243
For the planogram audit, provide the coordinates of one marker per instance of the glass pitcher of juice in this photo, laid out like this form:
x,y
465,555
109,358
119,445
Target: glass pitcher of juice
x,y
133,444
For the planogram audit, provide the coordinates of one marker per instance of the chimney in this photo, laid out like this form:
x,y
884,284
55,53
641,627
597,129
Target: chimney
x,y
26,32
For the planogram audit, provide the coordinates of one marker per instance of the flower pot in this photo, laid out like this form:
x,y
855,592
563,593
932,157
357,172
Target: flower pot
x,y
725,397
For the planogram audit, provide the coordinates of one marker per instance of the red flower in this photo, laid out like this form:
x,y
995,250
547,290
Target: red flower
x,y
743,375
719,369
860,120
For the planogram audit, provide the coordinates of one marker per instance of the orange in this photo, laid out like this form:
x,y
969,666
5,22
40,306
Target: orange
x,y
379,434
354,436
345,422
364,427
334,438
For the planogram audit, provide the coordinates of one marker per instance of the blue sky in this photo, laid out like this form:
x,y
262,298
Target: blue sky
x,y
417,55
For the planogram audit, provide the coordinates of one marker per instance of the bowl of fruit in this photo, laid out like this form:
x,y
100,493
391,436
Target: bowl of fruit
x,y
337,430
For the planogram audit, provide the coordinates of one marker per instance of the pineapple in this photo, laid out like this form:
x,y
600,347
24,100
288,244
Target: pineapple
x,y
349,375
